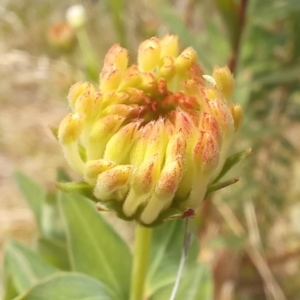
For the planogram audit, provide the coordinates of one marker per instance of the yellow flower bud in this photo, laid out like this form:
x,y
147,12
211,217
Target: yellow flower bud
x,y
176,147
146,175
70,128
110,78
238,115
77,90
95,167
169,46
110,183
186,59
101,133
205,153
169,179
224,81
210,124
68,133
148,82
157,140
167,69
123,138
164,192
85,103
139,149
149,54
116,56
121,110
113,97
132,77
222,113
142,184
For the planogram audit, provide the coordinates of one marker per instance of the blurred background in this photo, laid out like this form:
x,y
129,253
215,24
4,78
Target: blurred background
x,y
250,232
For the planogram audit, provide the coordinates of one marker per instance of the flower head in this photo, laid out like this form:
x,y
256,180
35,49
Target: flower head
x,y
61,37
155,134
76,16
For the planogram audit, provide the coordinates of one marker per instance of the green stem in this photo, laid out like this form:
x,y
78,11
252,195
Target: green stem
x,y
88,54
118,12
140,261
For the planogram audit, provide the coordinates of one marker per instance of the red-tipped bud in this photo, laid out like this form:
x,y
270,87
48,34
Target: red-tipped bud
x,y
77,90
112,181
70,128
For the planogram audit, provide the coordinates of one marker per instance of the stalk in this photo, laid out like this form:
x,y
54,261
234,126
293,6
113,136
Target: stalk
x,y
88,54
140,261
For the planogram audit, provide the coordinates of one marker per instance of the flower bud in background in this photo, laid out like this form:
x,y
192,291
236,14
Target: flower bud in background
x,y
153,135
61,37
76,16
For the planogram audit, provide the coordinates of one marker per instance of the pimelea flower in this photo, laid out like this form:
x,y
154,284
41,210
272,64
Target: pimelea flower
x,y
155,134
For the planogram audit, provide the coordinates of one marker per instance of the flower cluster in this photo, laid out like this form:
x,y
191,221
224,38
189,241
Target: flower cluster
x,y
155,134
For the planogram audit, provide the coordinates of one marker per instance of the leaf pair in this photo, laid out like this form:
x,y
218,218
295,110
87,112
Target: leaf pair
x,y
83,257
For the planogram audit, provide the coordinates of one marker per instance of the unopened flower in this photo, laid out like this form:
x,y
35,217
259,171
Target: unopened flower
x,y
153,136
76,16
61,37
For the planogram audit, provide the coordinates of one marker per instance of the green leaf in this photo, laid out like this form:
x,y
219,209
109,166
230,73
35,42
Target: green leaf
x,y
62,175
195,284
9,288
94,247
66,286
80,187
220,185
51,223
25,266
54,252
33,193
198,284
231,161
166,251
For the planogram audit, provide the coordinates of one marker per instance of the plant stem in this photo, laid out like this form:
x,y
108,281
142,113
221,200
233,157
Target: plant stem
x,y
88,54
118,12
186,244
240,30
140,261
